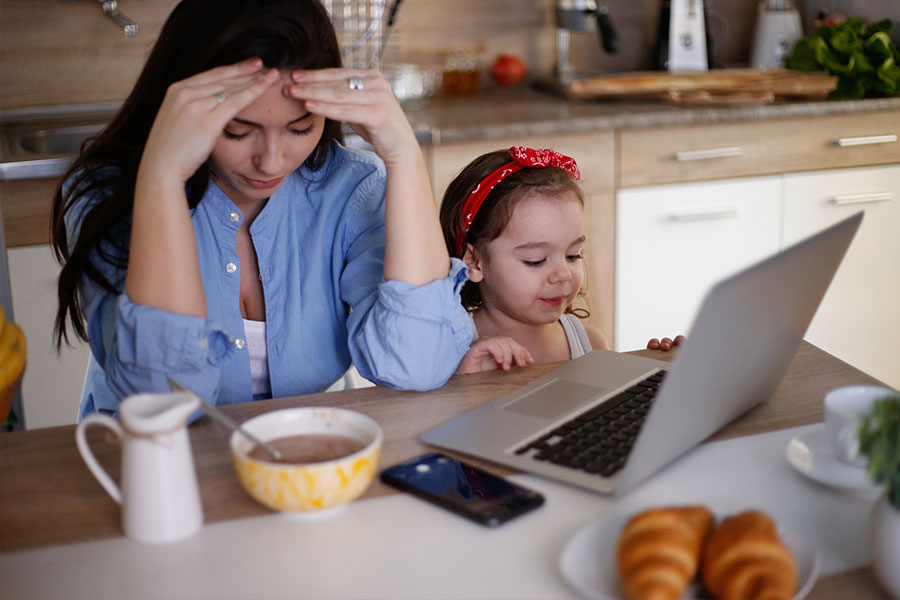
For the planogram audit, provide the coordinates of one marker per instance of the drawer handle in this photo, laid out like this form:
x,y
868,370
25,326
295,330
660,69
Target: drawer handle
x,y
705,214
867,139
863,198
723,152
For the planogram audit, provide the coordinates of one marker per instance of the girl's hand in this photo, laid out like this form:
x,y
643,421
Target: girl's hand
x,y
498,352
195,111
666,344
372,111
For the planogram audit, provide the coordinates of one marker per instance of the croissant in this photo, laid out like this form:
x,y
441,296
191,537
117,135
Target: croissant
x,y
744,558
658,553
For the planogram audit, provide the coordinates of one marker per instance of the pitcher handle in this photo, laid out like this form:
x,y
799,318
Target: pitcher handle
x,y
84,449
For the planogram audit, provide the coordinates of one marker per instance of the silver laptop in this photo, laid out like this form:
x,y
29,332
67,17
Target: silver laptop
x,y
607,421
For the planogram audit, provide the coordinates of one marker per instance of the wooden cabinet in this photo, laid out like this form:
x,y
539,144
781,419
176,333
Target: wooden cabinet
x,y
701,152
810,187
672,210
674,241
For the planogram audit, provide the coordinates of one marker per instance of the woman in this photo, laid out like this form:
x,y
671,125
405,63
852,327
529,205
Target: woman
x,y
218,232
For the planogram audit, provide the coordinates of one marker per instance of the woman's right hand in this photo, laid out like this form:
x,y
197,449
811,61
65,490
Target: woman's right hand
x,y
195,111
494,352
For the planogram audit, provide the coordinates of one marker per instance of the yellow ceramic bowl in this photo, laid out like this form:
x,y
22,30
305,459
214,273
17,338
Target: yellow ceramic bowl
x,y
311,486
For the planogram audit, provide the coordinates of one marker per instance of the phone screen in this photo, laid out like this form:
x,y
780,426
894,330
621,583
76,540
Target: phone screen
x,y
462,488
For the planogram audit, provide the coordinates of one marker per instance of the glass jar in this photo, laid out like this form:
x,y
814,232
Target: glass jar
x,y
461,75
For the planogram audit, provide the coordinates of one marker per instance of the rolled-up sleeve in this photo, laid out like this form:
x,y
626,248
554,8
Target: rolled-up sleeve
x,y
404,336
139,347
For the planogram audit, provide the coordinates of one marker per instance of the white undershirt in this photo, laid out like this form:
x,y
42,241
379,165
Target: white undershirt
x,y
255,334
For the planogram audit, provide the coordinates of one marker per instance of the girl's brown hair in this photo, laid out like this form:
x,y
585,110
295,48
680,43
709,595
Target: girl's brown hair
x,y
492,218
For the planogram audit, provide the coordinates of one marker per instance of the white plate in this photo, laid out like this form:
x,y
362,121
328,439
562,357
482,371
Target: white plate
x,y
811,454
588,561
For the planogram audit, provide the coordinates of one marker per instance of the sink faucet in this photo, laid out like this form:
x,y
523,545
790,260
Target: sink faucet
x,y
111,10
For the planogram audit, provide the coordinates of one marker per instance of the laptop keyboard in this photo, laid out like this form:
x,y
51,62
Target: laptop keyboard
x,y
598,441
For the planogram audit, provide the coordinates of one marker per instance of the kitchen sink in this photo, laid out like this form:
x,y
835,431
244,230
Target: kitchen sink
x,y
40,142
57,140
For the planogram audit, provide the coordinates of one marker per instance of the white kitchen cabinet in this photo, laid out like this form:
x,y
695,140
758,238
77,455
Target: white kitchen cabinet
x,y
859,318
674,241
51,387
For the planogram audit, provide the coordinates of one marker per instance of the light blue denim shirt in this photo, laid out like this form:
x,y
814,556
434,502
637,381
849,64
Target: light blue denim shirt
x,y
320,247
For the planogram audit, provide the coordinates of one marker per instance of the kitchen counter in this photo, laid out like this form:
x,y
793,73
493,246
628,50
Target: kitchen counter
x,y
450,119
508,113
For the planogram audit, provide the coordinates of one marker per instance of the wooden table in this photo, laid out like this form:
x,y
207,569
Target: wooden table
x,y
48,496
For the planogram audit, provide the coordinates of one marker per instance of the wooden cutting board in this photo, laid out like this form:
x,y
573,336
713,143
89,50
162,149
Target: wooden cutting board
x,y
722,86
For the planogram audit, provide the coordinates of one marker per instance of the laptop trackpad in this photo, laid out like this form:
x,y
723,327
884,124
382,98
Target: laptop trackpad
x,y
554,398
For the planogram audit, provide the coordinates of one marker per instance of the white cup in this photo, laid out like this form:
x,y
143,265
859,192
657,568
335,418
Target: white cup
x,y
844,409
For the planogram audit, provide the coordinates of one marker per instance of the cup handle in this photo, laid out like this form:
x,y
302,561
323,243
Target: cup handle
x,y
848,444
84,449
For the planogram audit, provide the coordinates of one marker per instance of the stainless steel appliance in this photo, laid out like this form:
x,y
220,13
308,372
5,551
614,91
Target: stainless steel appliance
x,y
581,16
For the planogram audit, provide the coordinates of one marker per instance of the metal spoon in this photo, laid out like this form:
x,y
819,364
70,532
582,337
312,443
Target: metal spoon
x,y
220,416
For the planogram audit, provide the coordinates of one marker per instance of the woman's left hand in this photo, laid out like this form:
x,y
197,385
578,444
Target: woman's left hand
x,y
364,100
665,344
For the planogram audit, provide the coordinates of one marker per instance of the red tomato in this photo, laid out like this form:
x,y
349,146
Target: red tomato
x,y
508,70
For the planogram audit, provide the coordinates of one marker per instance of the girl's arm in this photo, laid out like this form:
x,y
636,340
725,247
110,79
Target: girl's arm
x,y
163,269
414,248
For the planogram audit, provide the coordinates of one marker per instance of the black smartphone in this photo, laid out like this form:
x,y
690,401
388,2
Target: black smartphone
x,y
462,488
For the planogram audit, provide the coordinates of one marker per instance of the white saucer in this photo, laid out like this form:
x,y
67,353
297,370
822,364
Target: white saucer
x,y
811,454
588,561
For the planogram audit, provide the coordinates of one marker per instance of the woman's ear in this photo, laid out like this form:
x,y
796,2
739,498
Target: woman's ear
x,y
473,264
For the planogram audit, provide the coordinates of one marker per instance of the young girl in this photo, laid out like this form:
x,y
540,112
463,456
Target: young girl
x,y
220,233
516,218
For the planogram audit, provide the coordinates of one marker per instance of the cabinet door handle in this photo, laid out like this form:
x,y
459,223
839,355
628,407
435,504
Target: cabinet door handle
x,y
866,140
705,153
705,214
862,198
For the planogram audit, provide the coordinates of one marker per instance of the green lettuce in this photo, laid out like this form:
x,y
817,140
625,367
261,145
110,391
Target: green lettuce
x,y
863,57
879,439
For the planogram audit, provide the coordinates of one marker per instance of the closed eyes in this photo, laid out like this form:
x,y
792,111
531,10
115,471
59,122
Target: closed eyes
x,y
239,136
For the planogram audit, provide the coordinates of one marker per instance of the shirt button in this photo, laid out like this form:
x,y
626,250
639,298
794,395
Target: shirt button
x,y
234,217
203,343
231,267
239,344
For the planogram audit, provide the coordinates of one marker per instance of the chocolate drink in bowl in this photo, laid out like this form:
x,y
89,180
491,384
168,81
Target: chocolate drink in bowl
x,y
310,448
329,457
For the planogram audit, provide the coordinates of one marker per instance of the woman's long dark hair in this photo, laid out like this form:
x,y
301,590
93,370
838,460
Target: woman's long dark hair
x,y
198,35
492,218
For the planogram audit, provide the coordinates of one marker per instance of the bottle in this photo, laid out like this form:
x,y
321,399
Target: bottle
x,y
662,46
778,27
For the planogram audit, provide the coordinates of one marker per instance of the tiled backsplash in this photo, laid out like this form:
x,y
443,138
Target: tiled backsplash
x,y
62,52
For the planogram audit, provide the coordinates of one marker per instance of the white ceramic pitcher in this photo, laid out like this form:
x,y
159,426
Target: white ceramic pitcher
x,y
159,495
